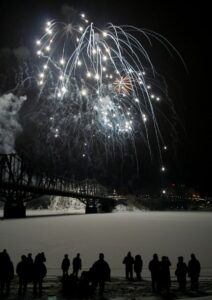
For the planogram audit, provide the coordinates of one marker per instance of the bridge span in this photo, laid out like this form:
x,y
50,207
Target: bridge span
x,y
20,183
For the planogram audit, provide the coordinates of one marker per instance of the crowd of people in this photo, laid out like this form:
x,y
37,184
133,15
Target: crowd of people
x,y
27,270
160,271
33,271
89,280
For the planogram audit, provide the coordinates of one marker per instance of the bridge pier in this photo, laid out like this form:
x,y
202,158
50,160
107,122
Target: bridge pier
x,y
14,210
91,208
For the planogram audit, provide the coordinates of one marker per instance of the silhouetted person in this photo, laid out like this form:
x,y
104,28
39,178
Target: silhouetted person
x,y
154,267
5,254
138,264
30,266
100,273
22,271
39,272
128,262
65,265
164,273
194,272
85,284
41,257
181,272
6,273
77,265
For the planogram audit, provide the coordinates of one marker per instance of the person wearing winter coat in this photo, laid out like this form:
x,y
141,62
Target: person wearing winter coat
x,y
181,272
6,273
128,262
100,273
65,265
22,271
138,264
154,267
39,272
164,274
77,265
194,269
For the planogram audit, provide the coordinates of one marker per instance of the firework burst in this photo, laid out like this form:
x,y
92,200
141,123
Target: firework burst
x,y
123,85
99,85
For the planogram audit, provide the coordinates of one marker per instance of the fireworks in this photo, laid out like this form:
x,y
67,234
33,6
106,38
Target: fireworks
x,y
123,85
100,84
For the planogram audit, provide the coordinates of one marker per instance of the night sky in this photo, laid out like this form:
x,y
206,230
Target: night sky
x,y
185,26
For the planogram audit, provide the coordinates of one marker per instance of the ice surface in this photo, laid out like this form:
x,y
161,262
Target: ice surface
x,y
166,233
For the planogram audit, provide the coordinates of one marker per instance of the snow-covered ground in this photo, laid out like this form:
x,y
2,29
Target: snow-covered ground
x,y
117,289
166,233
66,204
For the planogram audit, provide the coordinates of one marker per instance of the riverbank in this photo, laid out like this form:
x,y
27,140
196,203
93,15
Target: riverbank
x,y
117,289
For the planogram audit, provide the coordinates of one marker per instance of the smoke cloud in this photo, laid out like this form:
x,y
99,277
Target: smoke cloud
x,y
21,52
69,13
9,123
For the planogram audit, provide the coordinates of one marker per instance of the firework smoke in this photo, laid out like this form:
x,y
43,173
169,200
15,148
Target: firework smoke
x,y
9,123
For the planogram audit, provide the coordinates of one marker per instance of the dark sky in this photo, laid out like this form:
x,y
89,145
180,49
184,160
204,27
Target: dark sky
x,y
186,26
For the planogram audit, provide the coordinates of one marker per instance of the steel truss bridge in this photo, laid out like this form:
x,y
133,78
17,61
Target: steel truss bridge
x,y
19,184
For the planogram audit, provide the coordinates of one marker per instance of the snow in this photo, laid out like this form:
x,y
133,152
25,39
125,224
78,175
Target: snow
x,y
67,204
166,233
125,208
117,289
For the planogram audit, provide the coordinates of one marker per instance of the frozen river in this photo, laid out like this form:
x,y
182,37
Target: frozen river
x,y
166,233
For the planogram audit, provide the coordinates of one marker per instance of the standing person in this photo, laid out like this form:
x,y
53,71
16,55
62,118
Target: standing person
x,y
6,273
154,267
165,277
77,265
194,272
138,264
30,266
65,265
128,262
181,272
39,272
5,254
100,272
22,271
